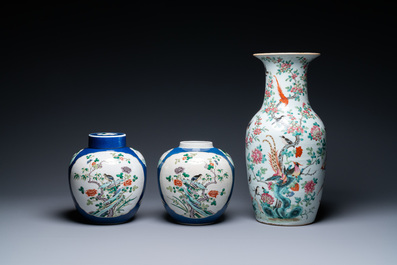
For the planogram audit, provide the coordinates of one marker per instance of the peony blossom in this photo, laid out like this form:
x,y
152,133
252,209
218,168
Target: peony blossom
x,y
316,133
267,198
309,187
91,192
128,182
178,182
256,156
299,152
213,193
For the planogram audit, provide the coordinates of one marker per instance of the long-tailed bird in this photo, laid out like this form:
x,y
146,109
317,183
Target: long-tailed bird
x,y
283,98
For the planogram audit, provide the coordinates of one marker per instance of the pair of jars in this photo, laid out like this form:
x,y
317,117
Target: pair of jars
x,y
107,180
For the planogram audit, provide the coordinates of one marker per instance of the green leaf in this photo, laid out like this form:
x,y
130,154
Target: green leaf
x,y
168,178
81,190
213,203
76,176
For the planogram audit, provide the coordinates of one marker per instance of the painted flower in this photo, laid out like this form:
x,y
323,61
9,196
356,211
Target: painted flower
x,y
269,185
267,198
91,192
126,170
316,133
184,158
309,187
285,67
128,182
293,76
296,187
256,156
257,131
213,193
299,151
178,182
179,170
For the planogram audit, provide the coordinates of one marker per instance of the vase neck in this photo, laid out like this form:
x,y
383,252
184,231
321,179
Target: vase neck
x,y
286,78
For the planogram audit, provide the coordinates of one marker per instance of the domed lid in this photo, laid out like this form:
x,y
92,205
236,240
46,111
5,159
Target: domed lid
x,y
106,140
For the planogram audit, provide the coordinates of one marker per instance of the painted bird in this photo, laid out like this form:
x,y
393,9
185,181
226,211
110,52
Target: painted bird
x,y
277,119
285,140
283,98
257,191
297,170
195,184
194,178
273,159
108,177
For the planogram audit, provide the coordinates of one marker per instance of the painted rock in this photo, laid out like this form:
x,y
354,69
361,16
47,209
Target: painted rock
x,y
196,182
107,179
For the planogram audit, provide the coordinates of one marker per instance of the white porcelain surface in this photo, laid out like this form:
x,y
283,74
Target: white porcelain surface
x,y
286,145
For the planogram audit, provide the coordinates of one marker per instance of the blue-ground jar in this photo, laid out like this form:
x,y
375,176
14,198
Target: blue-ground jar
x,y
196,182
107,179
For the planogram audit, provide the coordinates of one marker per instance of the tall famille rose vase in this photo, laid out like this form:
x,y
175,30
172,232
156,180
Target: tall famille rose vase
x,y
107,179
285,145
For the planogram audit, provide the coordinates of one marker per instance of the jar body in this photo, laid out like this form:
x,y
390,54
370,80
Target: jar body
x,y
286,146
195,183
107,185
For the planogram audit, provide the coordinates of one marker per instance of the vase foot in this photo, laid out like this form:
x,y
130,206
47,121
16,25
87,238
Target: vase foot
x,y
280,222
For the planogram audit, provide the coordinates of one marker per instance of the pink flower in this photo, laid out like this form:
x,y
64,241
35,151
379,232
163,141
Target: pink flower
x,y
256,156
267,198
309,187
293,76
316,133
257,131
269,185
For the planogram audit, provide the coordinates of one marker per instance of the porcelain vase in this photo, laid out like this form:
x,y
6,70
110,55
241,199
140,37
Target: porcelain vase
x,y
195,182
107,179
285,145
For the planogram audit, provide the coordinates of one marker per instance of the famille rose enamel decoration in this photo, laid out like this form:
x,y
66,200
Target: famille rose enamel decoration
x,y
107,179
196,182
286,145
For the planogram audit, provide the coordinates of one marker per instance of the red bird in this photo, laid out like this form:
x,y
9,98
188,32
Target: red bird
x,y
283,98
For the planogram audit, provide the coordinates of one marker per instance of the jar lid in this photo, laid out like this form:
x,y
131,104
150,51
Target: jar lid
x,y
106,140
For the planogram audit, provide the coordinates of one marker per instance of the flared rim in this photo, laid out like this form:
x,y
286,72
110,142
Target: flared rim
x,y
285,53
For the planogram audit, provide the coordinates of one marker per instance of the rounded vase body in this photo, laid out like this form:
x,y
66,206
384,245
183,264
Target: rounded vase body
x,y
107,179
286,145
196,182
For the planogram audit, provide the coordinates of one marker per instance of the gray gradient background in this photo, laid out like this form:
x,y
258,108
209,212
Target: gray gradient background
x,y
164,73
